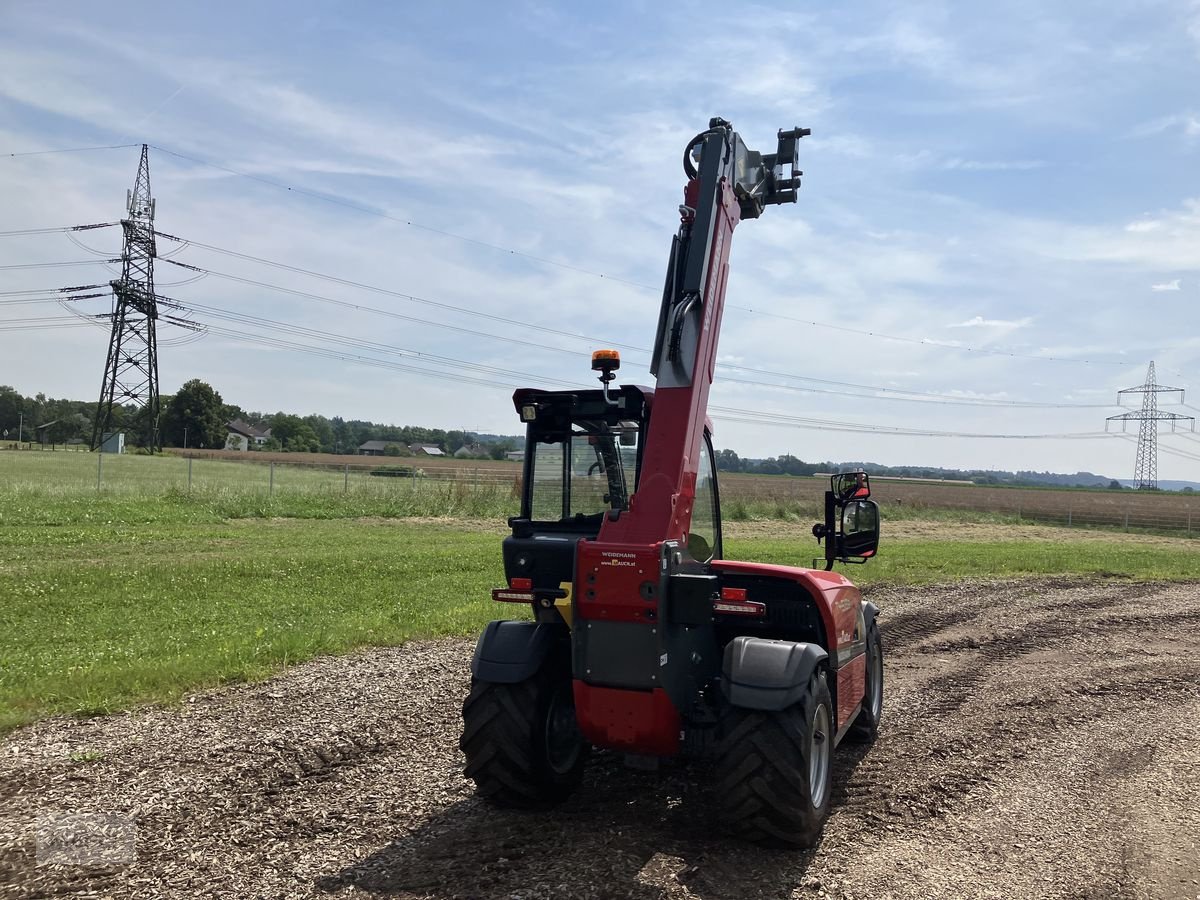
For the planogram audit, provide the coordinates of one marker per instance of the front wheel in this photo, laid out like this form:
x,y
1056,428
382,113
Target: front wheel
x,y
866,723
522,741
775,770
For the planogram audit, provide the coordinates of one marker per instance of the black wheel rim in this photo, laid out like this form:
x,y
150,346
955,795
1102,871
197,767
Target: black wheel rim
x,y
564,743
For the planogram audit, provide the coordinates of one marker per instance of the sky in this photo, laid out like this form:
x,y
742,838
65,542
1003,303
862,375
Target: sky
x,y
998,229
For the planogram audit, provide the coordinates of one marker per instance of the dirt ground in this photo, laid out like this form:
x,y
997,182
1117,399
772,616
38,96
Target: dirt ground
x,y
1041,739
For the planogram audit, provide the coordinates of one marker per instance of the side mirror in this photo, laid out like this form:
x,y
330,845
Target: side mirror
x,y
850,486
859,529
851,527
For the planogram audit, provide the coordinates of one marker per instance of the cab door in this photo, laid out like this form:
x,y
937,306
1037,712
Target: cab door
x,y
704,535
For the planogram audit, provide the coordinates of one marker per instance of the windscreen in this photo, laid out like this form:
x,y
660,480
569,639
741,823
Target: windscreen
x,y
592,471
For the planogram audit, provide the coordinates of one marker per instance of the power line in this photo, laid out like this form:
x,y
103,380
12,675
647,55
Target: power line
x,y
64,229
892,393
743,416
345,304
70,150
328,198
945,345
258,321
751,417
61,290
55,265
348,204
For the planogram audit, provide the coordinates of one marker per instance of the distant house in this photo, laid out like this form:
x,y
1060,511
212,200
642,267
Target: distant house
x,y
515,455
426,450
379,448
242,435
466,451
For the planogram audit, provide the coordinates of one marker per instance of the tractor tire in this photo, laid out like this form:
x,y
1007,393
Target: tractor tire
x,y
776,770
866,724
522,743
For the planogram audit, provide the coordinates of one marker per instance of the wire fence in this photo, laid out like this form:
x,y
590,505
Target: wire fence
x,y
75,472
139,474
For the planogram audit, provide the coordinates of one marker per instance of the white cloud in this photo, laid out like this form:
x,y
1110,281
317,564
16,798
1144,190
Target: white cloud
x,y
1186,123
1143,225
999,165
981,322
907,219
1172,285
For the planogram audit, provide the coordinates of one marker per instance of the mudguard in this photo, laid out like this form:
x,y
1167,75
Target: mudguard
x,y
870,611
509,651
764,674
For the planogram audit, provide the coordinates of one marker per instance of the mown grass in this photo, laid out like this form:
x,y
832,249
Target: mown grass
x,y
127,596
97,616
929,562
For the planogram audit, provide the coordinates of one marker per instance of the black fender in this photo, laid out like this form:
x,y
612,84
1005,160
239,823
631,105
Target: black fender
x,y
869,611
764,674
511,651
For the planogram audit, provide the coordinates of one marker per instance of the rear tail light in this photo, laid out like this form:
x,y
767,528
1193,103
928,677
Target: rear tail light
x,y
519,590
739,608
506,596
733,602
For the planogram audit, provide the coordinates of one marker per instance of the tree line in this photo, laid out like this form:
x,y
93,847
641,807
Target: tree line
x,y
197,416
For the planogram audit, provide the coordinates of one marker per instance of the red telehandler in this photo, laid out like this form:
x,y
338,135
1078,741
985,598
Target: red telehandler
x,y
644,639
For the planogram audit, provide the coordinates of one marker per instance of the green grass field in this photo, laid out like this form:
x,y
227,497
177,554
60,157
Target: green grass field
x,y
123,597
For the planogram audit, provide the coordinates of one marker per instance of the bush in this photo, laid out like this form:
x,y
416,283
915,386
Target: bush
x,y
398,472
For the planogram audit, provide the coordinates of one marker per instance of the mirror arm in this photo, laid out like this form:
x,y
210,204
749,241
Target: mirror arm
x,y
831,535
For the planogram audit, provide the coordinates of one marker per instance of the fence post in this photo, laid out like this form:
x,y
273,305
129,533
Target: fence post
x,y
271,489
1127,518
1068,515
189,474
99,467
1189,523
346,483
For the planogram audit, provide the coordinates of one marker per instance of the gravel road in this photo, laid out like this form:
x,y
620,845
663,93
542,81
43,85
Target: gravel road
x,y
1041,739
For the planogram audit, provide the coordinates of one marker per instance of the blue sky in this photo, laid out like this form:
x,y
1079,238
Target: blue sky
x,y
1020,179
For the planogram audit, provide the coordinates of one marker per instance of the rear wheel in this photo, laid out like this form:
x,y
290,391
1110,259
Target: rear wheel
x,y
866,723
775,770
522,741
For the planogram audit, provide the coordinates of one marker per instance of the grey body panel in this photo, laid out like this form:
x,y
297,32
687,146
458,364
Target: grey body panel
x,y
509,652
759,673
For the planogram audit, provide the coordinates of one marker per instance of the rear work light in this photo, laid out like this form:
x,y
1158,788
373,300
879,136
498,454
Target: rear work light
x,y
504,595
733,602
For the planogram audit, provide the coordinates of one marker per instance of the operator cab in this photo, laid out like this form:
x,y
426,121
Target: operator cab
x,y
583,458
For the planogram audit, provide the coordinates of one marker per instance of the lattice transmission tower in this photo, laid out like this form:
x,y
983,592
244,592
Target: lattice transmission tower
x,y
1145,468
131,372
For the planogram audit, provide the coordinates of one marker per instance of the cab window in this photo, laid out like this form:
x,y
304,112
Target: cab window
x,y
703,543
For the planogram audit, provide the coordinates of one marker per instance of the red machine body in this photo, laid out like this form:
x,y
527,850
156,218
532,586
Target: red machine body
x,y
645,640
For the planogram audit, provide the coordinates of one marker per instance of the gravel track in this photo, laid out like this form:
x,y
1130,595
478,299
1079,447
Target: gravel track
x,y
1041,738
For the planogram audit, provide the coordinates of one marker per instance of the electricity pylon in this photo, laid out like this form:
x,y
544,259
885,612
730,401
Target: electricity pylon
x,y
1145,469
131,371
